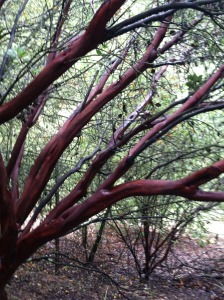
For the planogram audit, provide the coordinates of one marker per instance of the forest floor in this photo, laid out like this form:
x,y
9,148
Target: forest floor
x,y
190,272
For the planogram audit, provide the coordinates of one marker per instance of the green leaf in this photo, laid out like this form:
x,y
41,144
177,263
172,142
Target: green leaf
x,y
21,52
98,51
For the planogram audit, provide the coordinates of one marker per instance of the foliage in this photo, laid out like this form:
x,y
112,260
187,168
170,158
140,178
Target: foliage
x,y
101,102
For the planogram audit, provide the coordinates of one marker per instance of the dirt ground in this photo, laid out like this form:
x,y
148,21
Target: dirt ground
x,y
191,272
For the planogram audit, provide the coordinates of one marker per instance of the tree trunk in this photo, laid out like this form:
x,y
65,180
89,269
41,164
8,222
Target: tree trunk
x,y
6,273
3,295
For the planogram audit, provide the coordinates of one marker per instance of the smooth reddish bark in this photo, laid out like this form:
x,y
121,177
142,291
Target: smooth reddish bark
x,y
94,35
18,243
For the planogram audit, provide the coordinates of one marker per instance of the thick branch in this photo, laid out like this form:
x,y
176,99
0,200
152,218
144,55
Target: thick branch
x,y
55,188
186,187
151,136
8,227
3,191
45,163
190,103
36,111
88,41
105,198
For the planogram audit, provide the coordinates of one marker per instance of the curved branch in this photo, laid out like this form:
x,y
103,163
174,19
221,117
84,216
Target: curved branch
x,y
155,132
46,161
94,35
186,187
55,188
36,111
156,14
81,188
191,102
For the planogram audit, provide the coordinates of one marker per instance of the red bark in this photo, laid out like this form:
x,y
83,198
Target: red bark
x,y
94,35
43,166
16,244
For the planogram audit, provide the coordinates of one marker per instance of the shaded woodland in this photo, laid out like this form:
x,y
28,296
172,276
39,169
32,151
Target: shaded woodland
x,y
111,118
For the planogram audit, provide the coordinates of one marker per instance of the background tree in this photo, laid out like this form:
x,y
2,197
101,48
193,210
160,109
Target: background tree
x,y
126,96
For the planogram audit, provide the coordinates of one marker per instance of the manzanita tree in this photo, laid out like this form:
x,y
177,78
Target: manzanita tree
x,y
126,72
